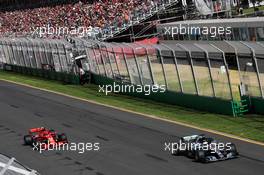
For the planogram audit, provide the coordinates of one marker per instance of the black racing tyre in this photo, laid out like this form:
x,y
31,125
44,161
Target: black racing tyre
x,y
190,154
233,149
28,140
200,156
176,152
62,137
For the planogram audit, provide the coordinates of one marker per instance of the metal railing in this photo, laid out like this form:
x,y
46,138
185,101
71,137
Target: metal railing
x,y
12,166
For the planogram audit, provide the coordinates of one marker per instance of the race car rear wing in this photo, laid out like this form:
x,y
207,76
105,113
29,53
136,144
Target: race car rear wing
x,y
188,138
37,129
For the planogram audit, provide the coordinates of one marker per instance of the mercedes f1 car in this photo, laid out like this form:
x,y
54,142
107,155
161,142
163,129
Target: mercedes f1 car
x,y
205,149
44,138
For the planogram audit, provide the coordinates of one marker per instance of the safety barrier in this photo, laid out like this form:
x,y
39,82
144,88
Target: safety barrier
x,y
240,107
67,78
256,104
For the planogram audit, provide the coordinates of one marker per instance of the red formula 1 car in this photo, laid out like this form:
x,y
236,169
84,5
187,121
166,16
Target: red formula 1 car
x,y
44,138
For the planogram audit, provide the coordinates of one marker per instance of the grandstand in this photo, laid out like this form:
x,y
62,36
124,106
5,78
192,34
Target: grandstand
x,y
106,16
10,5
119,20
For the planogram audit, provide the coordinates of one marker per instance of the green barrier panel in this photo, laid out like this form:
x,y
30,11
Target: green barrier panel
x,y
256,104
51,75
40,73
58,76
71,79
240,107
209,104
20,70
8,67
75,79
14,68
24,70
64,77
45,74
67,78
33,72
27,71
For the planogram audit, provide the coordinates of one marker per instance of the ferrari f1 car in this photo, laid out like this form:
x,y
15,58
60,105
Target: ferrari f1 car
x,y
205,149
44,138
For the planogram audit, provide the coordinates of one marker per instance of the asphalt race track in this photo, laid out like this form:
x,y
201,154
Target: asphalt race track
x,y
129,144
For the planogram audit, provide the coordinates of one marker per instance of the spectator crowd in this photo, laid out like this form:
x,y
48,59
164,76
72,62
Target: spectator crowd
x,y
103,14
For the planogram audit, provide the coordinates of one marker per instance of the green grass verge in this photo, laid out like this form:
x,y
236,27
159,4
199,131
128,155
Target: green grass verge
x,y
250,126
251,9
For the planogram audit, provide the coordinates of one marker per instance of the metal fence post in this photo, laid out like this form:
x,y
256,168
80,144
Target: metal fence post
x,y
209,67
193,73
135,57
96,61
116,61
125,59
256,64
228,73
150,65
163,69
101,56
176,67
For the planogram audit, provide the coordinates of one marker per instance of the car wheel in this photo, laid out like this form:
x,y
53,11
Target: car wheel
x,y
28,140
62,137
233,149
199,156
176,152
190,154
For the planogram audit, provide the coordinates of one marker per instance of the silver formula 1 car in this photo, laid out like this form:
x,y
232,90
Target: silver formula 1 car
x,y
205,149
